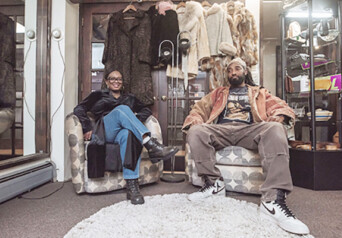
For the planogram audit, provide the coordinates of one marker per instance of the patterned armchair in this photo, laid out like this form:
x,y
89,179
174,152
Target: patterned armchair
x,y
149,173
241,169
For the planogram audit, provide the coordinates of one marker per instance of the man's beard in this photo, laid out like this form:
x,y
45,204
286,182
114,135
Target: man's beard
x,y
237,81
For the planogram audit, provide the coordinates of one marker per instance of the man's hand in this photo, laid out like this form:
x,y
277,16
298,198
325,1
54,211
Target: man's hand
x,y
277,118
87,135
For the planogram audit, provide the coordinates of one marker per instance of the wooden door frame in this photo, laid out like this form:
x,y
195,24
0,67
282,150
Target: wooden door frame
x,y
159,78
84,79
42,137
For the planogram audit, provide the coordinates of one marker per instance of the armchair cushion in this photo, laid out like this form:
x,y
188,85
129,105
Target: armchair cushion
x,y
240,168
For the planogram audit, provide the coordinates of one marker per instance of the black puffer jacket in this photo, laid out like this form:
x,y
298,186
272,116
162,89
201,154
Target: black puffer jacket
x,y
100,103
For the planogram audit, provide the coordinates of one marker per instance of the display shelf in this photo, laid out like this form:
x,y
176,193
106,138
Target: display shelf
x,y
307,94
307,122
301,44
314,169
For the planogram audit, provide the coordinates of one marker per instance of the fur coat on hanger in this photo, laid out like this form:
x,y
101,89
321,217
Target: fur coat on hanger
x,y
7,62
7,40
164,27
7,86
128,50
219,35
191,19
244,31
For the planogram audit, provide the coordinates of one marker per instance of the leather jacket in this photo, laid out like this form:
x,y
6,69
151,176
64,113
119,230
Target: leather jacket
x,y
101,102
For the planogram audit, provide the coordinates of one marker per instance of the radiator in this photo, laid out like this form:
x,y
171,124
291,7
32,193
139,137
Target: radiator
x,y
24,179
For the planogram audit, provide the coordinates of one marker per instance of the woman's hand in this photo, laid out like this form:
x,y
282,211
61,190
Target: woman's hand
x,y
87,135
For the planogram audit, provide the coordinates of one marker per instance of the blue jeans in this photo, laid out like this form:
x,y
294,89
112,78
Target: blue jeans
x,y
117,125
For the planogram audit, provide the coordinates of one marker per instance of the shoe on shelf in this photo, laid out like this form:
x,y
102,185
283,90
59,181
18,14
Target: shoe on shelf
x,y
133,192
277,212
209,189
157,151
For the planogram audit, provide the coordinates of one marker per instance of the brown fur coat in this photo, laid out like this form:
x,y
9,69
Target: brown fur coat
x,y
128,50
244,31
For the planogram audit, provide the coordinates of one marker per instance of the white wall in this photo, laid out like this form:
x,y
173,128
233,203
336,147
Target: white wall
x,y
254,7
30,79
269,66
64,71
271,38
71,74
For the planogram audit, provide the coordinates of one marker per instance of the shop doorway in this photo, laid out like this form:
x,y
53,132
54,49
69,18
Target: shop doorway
x,y
93,26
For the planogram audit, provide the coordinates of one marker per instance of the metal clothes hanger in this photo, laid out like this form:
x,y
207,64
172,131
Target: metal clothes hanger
x,y
129,7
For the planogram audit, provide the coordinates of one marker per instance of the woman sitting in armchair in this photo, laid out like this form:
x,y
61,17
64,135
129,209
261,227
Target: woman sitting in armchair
x,y
122,114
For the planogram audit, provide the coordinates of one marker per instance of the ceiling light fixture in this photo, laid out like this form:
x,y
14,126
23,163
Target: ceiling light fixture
x,y
327,14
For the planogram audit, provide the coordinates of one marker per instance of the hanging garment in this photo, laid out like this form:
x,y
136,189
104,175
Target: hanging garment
x,y
7,86
164,6
164,27
7,40
244,31
218,74
191,19
7,62
219,35
128,50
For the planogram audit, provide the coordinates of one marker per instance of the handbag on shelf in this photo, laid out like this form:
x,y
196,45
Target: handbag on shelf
x,y
289,84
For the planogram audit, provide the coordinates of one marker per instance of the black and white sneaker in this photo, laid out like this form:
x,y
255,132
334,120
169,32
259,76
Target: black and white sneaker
x,y
277,212
209,189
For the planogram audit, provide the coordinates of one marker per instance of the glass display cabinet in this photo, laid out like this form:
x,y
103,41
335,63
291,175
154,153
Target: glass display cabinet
x,y
311,76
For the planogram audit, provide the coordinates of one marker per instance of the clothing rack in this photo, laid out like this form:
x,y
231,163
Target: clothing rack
x,y
172,178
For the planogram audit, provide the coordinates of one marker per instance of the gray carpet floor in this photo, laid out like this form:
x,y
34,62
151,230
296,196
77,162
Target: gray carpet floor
x,y
55,215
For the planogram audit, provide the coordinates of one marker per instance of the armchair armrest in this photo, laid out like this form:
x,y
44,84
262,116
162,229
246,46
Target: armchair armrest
x,y
74,132
153,126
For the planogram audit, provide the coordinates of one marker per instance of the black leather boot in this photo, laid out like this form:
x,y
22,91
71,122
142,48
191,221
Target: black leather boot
x,y
157,151
133,192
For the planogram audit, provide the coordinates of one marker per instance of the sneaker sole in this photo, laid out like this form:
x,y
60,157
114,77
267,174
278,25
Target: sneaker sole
x,y
274,221
166,157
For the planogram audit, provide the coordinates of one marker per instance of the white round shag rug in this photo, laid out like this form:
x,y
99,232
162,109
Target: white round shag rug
x,y
173,215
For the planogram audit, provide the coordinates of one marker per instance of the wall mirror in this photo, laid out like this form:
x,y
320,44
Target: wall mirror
x,y
12,31
18,50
